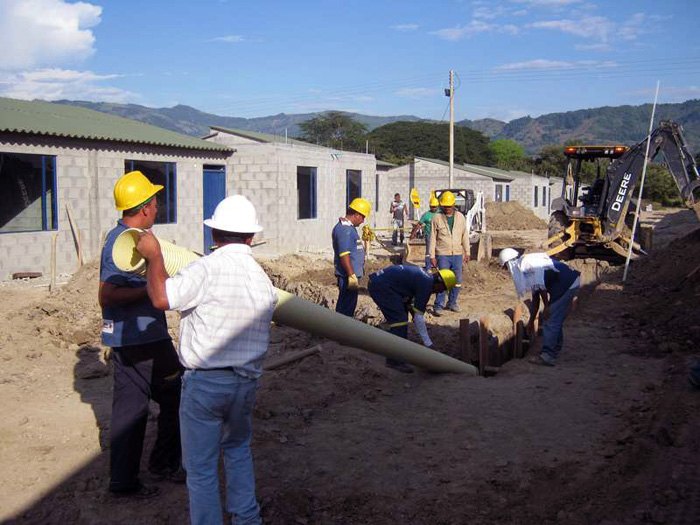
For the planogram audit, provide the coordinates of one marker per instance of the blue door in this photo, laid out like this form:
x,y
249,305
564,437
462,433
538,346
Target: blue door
x,y
214,193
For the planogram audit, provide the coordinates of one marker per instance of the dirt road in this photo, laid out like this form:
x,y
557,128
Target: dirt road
x,y
610,435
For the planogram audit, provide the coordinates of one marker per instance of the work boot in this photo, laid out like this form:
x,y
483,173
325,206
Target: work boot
x,y
437,311
454,308
540,359
140,492
174,475
400,367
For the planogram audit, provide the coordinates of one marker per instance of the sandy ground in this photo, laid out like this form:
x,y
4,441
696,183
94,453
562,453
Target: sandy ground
x,y
610,435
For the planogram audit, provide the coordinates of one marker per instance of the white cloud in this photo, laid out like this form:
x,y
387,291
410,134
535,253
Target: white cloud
x,y
595,27
55,84
231,39
489,13
543,63
404,27
45,32
418,92
593,47
473,28
547,3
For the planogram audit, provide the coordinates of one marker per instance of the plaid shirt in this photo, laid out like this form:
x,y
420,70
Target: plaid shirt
x,y
226,302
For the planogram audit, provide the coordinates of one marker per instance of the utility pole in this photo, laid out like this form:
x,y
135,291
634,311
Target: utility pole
x,y
452,128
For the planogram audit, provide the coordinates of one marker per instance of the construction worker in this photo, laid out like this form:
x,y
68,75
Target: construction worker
x,y
400,289
349,255
229,301
552,281
398,211
145,362
449,247
425,223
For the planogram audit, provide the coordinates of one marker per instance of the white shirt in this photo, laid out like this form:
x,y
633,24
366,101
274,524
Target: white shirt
x,y
226,302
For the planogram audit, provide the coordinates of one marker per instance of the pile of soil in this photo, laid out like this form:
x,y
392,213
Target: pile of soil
x,y
511,216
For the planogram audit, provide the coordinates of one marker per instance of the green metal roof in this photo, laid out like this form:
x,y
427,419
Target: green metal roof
x,y
44,118
386,164
263,137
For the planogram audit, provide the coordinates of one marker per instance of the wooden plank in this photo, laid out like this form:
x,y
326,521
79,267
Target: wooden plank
x,y
292,358
481,248
483,344
52,283
518,332
76,235
465,341
488,248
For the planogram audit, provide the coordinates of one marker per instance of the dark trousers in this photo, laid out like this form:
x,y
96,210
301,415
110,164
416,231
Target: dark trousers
x,y
347,299
141,373
392,306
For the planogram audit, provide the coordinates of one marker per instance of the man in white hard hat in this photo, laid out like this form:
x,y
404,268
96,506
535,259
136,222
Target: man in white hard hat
x,y
550,280
226,301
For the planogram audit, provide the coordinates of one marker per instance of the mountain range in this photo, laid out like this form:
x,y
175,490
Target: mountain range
x,y
606,125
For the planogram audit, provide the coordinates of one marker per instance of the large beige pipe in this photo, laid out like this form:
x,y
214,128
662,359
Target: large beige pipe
x,y
304,315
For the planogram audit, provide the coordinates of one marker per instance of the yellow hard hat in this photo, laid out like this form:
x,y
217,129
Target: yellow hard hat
x,y
133,189
447,199
448,278
361,206
434,203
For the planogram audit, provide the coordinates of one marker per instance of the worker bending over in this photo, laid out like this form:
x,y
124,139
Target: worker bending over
x,y
449,247
398,290
555,284
425,223
349,255
226,303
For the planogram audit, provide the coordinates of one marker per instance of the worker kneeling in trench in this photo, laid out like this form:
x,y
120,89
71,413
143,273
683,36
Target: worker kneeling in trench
x,y
400,289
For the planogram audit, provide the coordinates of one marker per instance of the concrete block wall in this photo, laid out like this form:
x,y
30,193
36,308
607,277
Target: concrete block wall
x,y
86,172
266,173
424,176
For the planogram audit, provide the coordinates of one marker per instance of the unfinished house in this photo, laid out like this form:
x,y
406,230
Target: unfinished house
x,y
55,158
533,192
299,189
424,175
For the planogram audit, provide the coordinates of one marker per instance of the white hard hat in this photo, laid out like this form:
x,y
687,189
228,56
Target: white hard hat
x,y
507,254
235,214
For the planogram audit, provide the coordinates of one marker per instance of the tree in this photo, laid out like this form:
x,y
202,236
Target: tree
x,y
335,130
660,187
400,142
507,154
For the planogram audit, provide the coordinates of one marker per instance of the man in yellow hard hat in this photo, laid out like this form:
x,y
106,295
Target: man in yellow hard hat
x,y
349,255
449,247
400,289
146,365
425,223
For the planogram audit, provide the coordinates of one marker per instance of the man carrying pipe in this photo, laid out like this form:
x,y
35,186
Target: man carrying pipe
x,y
400,289
349,255
449,247
425,223
145,361
552,281
228,302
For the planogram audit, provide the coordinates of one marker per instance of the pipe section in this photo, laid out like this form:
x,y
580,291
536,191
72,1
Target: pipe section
x,y
302,314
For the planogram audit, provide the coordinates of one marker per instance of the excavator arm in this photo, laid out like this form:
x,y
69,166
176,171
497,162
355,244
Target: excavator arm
x,y
623,174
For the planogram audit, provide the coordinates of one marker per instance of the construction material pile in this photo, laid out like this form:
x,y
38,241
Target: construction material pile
x,y
511,216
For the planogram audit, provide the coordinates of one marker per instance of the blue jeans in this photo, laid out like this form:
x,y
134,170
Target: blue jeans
x,y
215,414
391,305
454,263
347,299
428,264
553,328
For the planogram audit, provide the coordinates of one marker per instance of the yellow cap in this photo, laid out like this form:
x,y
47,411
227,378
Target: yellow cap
x,y
361,206
133,189
448,278
447,199
434,203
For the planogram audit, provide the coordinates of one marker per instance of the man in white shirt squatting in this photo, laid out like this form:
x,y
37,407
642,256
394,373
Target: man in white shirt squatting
x,y
226,302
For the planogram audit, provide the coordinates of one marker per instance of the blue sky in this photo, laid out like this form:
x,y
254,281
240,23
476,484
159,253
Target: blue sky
x,y
248,59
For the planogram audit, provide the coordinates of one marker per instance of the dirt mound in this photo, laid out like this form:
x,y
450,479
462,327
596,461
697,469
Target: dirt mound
x,y
511,216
